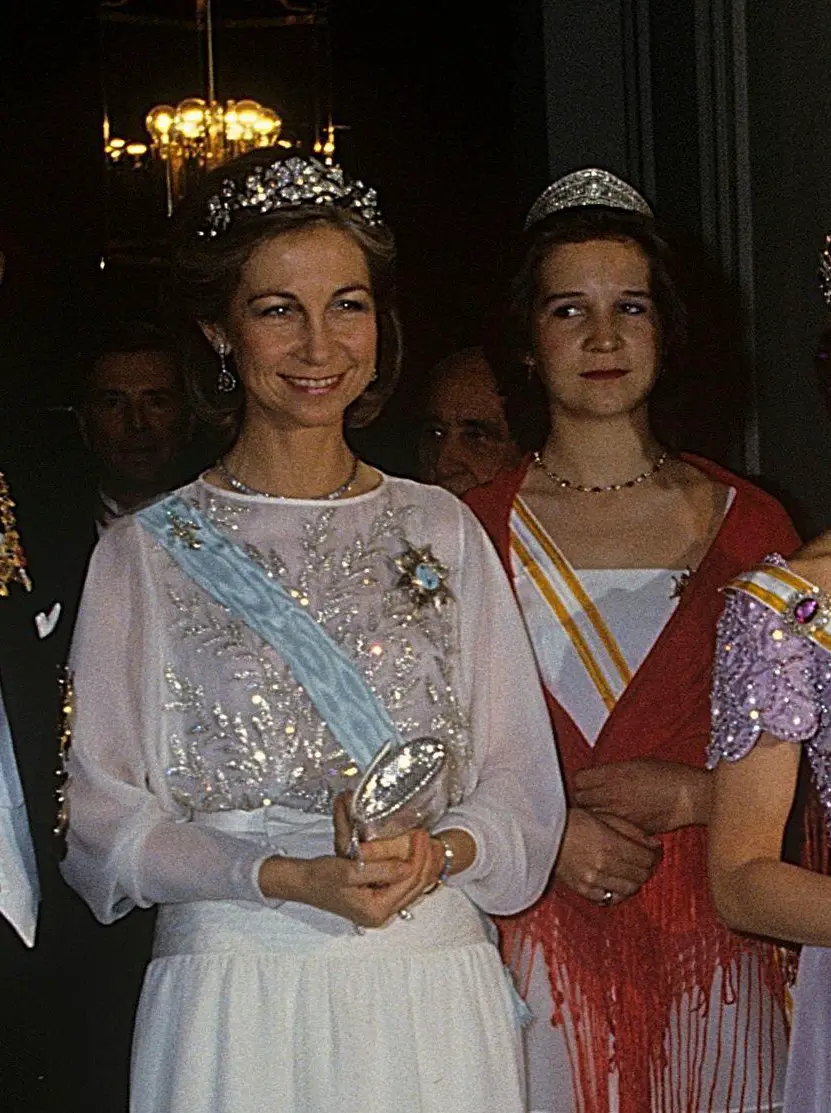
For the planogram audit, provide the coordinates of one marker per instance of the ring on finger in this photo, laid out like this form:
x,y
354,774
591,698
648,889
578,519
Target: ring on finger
x,y
607,898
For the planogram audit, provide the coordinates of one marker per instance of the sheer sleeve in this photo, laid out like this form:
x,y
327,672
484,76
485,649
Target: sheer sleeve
x,y
516,808
764,681
128,842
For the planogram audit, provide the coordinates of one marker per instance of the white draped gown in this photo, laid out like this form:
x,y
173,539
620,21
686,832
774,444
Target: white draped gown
x,y
195,755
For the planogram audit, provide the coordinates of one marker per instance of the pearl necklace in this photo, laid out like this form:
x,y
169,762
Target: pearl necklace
x,y
243,488
567,485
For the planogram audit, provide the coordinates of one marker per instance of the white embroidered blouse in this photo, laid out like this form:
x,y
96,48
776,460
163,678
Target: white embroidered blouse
x,y
182,711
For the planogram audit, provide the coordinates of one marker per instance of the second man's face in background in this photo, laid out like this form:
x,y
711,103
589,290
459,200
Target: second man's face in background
x,y
134,419
465,440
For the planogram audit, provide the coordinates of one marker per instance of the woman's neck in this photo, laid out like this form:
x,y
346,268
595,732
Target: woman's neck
x,y
596,453
295,463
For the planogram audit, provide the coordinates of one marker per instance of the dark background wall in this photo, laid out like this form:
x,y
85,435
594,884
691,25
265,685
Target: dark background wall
x,y
790,123
429,105
717,109
720,110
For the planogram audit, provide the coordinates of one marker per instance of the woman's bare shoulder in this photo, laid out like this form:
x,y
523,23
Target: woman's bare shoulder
x,y
706,493
686,475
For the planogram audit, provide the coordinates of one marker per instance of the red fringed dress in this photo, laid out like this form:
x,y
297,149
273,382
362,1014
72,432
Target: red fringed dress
x,y
655,1006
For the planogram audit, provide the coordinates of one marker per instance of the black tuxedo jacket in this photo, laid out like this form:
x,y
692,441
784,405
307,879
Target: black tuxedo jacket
x,y
67,1005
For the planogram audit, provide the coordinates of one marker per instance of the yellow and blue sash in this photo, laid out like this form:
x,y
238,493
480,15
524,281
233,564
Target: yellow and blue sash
x,y
340,694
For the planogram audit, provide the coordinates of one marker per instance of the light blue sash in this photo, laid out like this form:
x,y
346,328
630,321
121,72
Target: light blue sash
x,y
340,694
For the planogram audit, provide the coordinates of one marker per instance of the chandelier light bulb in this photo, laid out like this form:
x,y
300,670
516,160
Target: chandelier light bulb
x,y
159,122
267,126
191,118
248,113
114,148
233,129
198,134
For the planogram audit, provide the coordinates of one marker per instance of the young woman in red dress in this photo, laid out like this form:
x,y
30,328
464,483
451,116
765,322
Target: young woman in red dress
x,y
617,547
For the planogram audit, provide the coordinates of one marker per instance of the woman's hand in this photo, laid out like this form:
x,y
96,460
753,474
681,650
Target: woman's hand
x,y
374,851
387,876
602,856
654,795
367,892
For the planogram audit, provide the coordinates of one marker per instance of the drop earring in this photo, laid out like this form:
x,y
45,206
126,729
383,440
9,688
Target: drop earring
x,y
530,365
227,380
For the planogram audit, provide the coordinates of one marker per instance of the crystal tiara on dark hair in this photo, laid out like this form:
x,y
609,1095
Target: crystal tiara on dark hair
x,y
288,184
586,188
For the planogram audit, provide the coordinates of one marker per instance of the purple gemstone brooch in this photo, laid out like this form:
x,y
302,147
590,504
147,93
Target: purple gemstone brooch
x,y
808,612
423,577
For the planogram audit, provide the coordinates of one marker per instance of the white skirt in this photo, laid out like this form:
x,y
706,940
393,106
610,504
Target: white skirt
x,y
251,1009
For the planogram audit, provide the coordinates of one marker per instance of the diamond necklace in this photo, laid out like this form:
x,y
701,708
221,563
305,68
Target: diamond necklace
x,y
243,488
567,485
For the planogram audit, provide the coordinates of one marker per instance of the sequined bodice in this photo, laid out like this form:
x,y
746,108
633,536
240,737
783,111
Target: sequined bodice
x,y
240,732
770,677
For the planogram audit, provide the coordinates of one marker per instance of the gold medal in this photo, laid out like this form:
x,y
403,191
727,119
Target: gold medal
x,y
12,557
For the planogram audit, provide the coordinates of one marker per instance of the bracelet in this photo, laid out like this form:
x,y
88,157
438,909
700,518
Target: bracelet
x,y
449,856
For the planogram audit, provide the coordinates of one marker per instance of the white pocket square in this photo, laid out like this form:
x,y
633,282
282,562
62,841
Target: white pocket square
x,y
46,623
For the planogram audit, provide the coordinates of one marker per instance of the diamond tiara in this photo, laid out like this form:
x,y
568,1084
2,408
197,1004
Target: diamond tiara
x,y
288,184
825,271
582,188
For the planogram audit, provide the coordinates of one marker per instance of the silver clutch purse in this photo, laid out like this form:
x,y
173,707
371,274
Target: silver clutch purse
x,y
402,788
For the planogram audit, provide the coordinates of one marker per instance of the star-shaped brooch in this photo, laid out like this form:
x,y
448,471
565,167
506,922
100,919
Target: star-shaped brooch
x,y
680,583
423,577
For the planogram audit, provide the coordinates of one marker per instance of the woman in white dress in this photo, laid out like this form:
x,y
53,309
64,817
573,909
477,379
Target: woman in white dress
x,y
207,770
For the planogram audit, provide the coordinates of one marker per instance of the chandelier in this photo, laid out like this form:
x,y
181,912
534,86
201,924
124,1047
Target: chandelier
x,y
200,132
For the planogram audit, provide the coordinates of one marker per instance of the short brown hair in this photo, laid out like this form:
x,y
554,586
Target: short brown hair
x,y
205,272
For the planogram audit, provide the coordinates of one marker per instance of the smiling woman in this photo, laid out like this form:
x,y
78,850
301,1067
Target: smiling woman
x,y
209,271
263,635
302,329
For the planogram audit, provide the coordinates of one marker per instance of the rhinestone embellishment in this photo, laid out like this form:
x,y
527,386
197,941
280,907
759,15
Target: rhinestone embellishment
x,y
287,184
184,530
809,612
582,188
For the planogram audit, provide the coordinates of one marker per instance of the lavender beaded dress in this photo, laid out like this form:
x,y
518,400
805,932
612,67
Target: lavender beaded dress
x,y
773,675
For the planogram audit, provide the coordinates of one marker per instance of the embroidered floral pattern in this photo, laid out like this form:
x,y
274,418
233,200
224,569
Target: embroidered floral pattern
x,y
64,742
243,734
